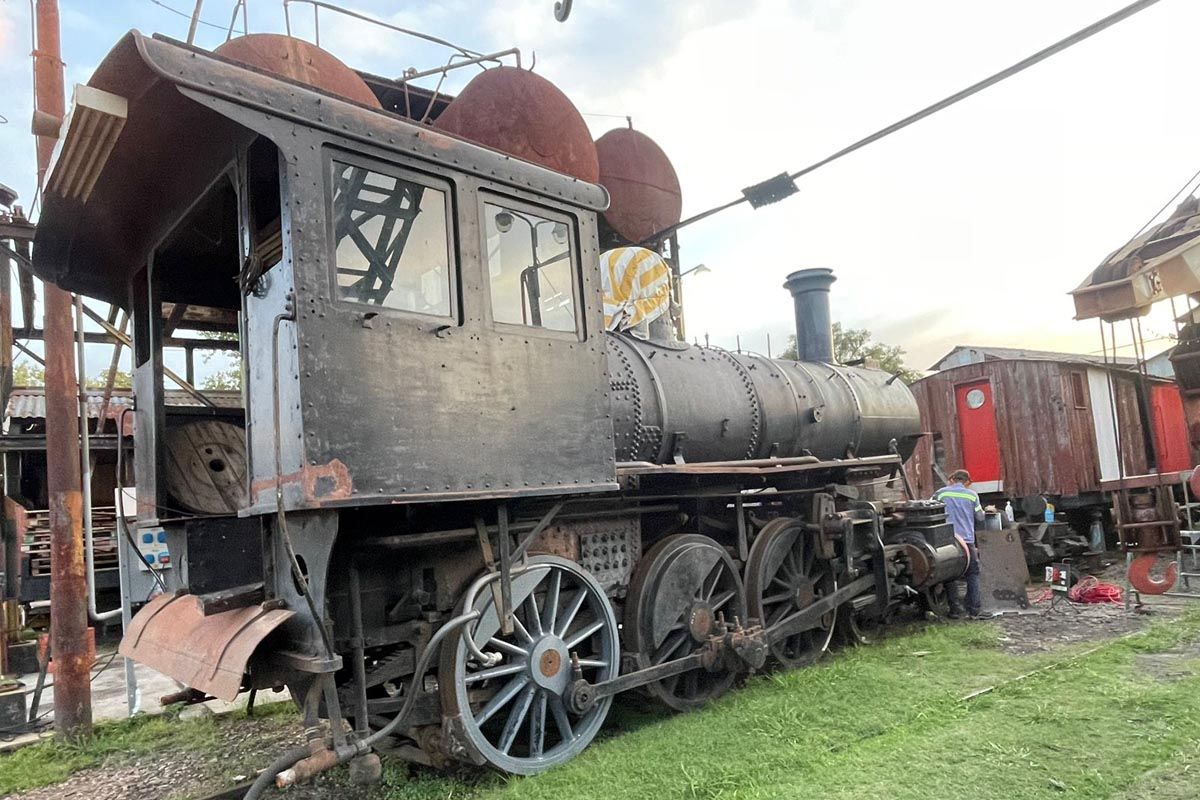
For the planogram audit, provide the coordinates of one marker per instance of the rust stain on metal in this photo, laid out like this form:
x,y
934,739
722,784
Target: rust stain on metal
x,y
435,139
641,182
172,635
319,483
301,61
518,112
557,540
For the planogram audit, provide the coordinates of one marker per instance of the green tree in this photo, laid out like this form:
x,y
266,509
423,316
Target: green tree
x,y
857,344
228,376
121,380
27,373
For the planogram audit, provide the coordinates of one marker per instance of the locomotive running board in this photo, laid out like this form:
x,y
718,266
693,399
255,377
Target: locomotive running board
x,y
172,635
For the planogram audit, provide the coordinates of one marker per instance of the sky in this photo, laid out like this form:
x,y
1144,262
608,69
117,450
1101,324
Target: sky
x,y
970,227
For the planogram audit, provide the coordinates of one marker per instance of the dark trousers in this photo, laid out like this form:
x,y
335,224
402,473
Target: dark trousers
x,y
971,576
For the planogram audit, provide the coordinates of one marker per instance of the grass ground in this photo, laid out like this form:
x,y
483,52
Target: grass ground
x,y
1109,720
889,721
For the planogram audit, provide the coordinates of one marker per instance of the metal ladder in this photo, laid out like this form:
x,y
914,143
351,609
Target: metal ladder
x,y
1189,548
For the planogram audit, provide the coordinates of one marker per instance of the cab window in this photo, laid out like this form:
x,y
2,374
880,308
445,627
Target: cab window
x,y
392,243
530,266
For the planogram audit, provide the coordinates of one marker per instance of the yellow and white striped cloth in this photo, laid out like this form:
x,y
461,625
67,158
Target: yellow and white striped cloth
x,y
637,287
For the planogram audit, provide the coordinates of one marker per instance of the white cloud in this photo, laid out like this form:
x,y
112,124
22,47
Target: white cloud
x,y
970,227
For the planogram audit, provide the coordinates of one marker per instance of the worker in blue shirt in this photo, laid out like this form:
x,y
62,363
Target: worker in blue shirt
x,y
963,511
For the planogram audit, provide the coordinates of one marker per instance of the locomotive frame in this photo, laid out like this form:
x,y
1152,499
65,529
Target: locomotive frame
x,y
418,486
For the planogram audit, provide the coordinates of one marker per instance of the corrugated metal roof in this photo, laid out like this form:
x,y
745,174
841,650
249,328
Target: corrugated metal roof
x,y
30,402
970,354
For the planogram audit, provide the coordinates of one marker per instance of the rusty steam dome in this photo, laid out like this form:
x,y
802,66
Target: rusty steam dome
x,y
517,112
641,182
300,61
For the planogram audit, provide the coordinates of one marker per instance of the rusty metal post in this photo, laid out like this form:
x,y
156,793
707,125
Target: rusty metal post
x,y
68,586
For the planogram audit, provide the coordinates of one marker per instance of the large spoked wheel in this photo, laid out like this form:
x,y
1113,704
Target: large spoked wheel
x,y
784,576
680,591
512,713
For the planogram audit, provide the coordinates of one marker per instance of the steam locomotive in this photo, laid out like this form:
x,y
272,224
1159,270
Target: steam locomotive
x,y
453,507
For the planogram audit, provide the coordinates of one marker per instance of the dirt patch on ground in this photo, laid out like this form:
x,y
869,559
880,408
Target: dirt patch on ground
x,y
1171,665
177,774
1047,628
1053,622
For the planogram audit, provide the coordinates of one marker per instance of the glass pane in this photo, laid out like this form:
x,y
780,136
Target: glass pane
x,y
530,269
392,241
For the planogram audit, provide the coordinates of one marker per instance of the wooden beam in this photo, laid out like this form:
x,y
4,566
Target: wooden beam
x,y
102,337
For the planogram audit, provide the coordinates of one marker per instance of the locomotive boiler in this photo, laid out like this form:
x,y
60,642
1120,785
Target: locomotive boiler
x,y
452,507
672,401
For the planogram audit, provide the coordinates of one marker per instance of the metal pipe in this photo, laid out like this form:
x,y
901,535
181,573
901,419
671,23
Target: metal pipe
x,y
442,70
191,37
360,654
85,462
110,376
280,512
750,462
283,771
68,620
356,15
814,328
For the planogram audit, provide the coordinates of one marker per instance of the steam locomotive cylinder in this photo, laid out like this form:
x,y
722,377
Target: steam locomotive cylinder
x,y
673,401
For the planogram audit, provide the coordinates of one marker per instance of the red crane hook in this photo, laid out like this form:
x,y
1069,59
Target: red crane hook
x,y
1139,575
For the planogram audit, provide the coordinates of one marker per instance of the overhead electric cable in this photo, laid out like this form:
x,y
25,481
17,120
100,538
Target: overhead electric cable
x,y
777,188
188,16
1175,197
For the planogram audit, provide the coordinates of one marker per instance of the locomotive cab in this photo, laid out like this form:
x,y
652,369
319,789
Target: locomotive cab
x,y
417,318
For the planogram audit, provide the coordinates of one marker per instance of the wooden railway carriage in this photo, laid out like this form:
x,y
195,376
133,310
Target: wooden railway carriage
x,y
452,505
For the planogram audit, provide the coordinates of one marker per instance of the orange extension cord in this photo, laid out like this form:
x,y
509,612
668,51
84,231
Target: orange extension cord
x,y
1088,589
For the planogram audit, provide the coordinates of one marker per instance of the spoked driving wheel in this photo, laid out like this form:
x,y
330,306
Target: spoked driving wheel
x,y
784,576
512,713
682,588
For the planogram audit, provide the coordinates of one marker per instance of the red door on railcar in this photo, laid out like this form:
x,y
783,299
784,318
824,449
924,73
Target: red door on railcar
x,y
1170,428
977,430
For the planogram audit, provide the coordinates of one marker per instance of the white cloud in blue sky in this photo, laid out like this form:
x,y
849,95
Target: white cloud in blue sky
x,y
967,228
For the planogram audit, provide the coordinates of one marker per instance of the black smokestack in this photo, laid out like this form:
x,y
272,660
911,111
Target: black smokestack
x,y
814,329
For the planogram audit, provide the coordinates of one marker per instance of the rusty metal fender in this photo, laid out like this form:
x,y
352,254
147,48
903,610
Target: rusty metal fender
x,y
172,635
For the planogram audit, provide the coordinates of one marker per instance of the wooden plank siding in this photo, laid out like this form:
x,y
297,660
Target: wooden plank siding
x,y
1129,419
1043,420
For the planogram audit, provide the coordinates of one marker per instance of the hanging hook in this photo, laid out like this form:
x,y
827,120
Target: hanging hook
x,y
562,10
1139,575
